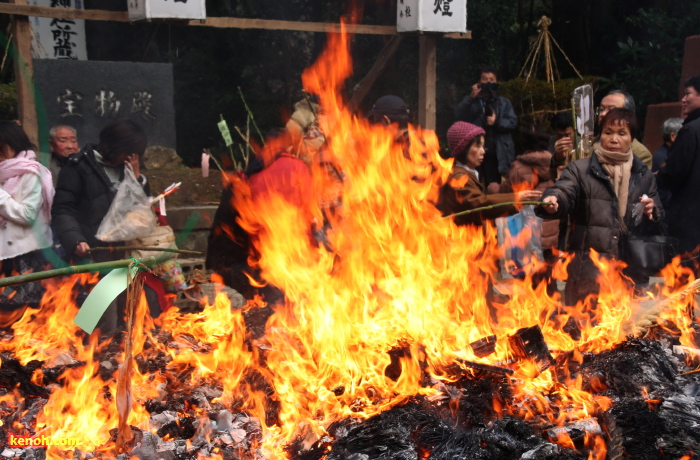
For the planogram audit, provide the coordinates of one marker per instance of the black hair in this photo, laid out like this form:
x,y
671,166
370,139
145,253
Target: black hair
x,y
13,135
561,121
694,82
534,138
621,116
488,69
391,107
122,136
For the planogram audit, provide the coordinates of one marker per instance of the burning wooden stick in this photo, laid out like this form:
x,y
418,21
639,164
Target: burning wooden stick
x,y
487,367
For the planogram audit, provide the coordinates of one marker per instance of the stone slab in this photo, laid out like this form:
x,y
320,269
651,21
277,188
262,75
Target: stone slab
x,y
88,95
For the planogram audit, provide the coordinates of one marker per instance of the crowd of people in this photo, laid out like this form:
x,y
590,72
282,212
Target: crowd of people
x,y
596,205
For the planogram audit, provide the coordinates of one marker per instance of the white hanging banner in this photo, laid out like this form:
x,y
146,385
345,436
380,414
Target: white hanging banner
x,y
431,16
179,9
58,38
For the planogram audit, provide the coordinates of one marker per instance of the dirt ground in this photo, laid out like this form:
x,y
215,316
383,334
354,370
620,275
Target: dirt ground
x,y
194,189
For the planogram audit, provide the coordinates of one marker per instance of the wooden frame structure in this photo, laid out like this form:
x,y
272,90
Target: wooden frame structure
x,y
24,68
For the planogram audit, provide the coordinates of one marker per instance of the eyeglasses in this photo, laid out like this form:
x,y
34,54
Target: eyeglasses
x,y
602,110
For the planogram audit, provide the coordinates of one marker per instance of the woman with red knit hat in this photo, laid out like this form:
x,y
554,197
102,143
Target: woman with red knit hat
x,y
463,190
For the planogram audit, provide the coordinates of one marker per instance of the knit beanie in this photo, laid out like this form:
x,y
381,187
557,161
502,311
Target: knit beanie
x,y
460,135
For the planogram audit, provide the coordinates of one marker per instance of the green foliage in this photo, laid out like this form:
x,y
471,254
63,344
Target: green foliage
x,y
648,59
8,101
536,101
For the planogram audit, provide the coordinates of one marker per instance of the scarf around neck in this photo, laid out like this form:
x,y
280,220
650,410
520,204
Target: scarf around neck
x,y
12,171
618,167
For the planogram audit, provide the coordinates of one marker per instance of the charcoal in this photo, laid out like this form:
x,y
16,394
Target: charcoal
x,y
484,347
15,375
528,344
53,374
255,320
183,428
631,368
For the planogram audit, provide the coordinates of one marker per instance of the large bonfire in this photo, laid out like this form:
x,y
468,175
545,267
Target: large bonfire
x,y
402,289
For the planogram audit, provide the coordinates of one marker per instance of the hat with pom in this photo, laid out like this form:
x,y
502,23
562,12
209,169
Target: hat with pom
x,y
460,135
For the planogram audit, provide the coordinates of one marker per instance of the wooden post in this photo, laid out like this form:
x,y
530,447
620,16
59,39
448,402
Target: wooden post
x,y
24,74
426,81
363,87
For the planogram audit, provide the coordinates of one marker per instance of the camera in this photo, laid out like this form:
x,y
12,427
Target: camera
x,y
489,93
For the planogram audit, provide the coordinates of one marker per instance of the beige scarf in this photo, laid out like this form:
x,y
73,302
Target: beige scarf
x,y
618,167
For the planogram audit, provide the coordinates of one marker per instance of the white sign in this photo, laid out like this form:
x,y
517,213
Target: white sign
x,y
58,38
178,9
431,15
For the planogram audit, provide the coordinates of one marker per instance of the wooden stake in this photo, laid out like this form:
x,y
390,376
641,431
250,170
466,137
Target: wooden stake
x,y
24,72
427,77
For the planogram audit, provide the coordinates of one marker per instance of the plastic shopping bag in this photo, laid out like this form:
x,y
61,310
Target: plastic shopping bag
x,y
519,239
130,216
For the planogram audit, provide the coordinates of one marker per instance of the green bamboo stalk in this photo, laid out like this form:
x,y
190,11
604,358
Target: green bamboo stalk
x,y
498,205
146,248
250,114
72,270
230,148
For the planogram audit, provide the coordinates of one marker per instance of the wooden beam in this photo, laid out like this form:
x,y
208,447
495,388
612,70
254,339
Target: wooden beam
x,y
427,78
363,87
63,13
272,24
24,74
218,22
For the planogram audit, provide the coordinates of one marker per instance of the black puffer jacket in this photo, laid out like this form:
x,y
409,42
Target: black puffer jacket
x,y
585,192
84,194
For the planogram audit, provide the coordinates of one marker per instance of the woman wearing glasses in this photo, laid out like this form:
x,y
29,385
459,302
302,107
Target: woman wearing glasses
x,y
609,197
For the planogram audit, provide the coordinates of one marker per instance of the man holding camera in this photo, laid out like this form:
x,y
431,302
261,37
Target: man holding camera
x,y
495,114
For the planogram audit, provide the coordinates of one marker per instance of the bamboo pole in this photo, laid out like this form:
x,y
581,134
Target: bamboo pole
x,y
250,114
146,248
72,270
498,205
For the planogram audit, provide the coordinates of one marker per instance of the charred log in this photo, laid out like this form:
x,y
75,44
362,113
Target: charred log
x,y
14,375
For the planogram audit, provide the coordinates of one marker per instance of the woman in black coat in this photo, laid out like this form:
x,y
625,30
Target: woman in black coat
x,y
609,197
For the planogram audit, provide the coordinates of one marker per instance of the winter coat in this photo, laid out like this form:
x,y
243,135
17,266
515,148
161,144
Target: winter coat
x,y
681,177
471,110
84,194
585,193
463,191
26,228
533,170
642,153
